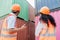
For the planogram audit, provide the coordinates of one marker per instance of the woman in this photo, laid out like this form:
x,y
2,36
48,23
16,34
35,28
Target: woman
x,y
47,31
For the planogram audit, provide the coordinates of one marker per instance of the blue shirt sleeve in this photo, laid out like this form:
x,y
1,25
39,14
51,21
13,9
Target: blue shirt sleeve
x,y
11,22
38,28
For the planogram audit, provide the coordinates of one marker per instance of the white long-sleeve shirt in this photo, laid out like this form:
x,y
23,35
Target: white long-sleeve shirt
x,y
11,21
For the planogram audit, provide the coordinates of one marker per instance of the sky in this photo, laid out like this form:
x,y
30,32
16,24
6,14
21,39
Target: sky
x,y
32,2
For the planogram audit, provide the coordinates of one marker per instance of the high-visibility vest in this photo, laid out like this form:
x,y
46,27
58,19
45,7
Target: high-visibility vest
x,y
49,34
5,35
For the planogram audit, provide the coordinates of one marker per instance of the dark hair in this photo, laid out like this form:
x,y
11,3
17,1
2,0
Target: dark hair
x,y
15,11
51,19
45,18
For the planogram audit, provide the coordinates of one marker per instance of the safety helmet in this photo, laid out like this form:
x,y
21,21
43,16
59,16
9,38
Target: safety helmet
x,y
16,7
45,10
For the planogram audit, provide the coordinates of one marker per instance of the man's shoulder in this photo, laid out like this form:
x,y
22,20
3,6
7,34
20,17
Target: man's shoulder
x,y
11,14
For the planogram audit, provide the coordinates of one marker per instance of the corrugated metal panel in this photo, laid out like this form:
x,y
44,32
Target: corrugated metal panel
x,y
28,32
5,7
56,16
52,4
31,12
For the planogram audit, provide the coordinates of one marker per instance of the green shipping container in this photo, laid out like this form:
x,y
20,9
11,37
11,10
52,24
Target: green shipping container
x,y
5,8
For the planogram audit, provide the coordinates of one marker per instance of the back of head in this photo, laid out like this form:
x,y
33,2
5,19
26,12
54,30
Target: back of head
x,y
51,19
44,11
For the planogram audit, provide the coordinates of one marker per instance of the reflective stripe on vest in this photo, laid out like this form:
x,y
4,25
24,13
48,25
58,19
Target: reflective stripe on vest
x,y
7,35
48,35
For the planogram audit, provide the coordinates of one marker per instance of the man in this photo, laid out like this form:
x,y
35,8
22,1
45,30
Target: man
x,y
9,31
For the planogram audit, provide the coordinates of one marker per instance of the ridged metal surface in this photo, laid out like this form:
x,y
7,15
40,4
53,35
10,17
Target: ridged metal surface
x,y
50,3
26,33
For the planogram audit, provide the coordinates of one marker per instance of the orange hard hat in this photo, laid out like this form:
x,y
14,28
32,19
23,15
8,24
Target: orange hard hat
x,y
45,10
16,7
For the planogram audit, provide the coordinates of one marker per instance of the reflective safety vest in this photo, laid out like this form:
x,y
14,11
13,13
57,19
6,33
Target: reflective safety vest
x,y
49,34
5,35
